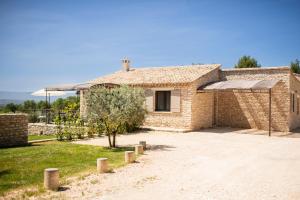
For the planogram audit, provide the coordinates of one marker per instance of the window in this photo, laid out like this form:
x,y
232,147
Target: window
x,y
162,100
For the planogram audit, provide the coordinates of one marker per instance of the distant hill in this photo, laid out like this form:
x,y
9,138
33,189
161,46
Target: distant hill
x,y
3,102
19,97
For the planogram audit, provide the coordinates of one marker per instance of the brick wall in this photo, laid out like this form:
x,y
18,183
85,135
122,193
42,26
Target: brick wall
x,y
251,109
13,130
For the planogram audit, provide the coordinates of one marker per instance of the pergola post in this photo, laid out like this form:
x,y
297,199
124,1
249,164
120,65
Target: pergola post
x,y
217,108
46,113
270,111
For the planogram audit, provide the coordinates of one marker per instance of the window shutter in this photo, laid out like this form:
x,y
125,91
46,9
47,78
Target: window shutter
x,y
175,100
149,100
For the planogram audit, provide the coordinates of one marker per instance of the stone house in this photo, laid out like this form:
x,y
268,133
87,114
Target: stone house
x,y
202,96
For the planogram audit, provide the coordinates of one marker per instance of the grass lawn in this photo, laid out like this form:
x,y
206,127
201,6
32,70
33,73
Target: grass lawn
x,y
24,166
40,137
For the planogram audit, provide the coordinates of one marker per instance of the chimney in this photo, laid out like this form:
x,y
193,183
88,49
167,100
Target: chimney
x,y
126,64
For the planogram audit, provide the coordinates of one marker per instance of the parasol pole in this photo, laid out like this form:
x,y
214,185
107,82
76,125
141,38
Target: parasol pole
x,y
46,120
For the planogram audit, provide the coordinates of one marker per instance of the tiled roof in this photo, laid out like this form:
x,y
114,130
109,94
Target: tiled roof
x,y
157,75
258,69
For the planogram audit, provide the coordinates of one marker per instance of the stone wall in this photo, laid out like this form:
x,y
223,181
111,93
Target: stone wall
x,y
295,113
251,109
202,103
13,130
41,129
83,103
195,109
180,119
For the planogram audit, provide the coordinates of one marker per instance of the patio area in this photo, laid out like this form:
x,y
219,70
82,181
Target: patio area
x,y
211,164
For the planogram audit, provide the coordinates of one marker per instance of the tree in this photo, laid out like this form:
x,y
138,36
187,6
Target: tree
x,y
29,105
72,99
295,66
117,109
58,104
41,105
11,107
247,62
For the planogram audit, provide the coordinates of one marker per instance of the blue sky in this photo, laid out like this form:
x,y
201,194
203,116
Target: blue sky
x,y
51,42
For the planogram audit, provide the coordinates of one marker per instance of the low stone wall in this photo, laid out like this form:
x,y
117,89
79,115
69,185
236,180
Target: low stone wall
x,y
13,130
41,129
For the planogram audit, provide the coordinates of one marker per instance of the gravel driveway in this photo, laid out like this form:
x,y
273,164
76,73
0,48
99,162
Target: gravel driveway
x,y
199,165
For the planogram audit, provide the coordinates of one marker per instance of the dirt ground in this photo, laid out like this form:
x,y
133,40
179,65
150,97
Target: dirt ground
x,y
211,164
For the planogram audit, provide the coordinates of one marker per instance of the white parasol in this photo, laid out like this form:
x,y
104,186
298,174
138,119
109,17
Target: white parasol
x,y
45,93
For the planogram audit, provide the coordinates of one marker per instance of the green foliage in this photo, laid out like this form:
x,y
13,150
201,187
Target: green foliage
x,y
61,104
94,128
247,62
33,117
11,107
58,104
30,105
70,126
295,66
42,105
72,116
117,110
35,109
68,134
59,129
79,128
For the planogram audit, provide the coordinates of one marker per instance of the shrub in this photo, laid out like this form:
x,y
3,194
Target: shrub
x,y
79,128
32,117
59,130
67,132
91,130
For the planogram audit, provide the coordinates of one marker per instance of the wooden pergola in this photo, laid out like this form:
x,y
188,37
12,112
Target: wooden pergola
x,y
248,86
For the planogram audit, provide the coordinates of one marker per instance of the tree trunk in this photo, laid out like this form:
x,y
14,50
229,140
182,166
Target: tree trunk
x,y
114,140
109,140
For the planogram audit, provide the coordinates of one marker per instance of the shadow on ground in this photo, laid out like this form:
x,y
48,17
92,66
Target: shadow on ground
x,y
160,147
61,189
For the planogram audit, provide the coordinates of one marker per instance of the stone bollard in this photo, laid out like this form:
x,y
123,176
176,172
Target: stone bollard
x,y
102,165
144,144
139,149
129,156
51,178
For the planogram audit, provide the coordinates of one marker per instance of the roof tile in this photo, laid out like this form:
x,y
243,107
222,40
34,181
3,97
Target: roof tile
x,y
157,75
